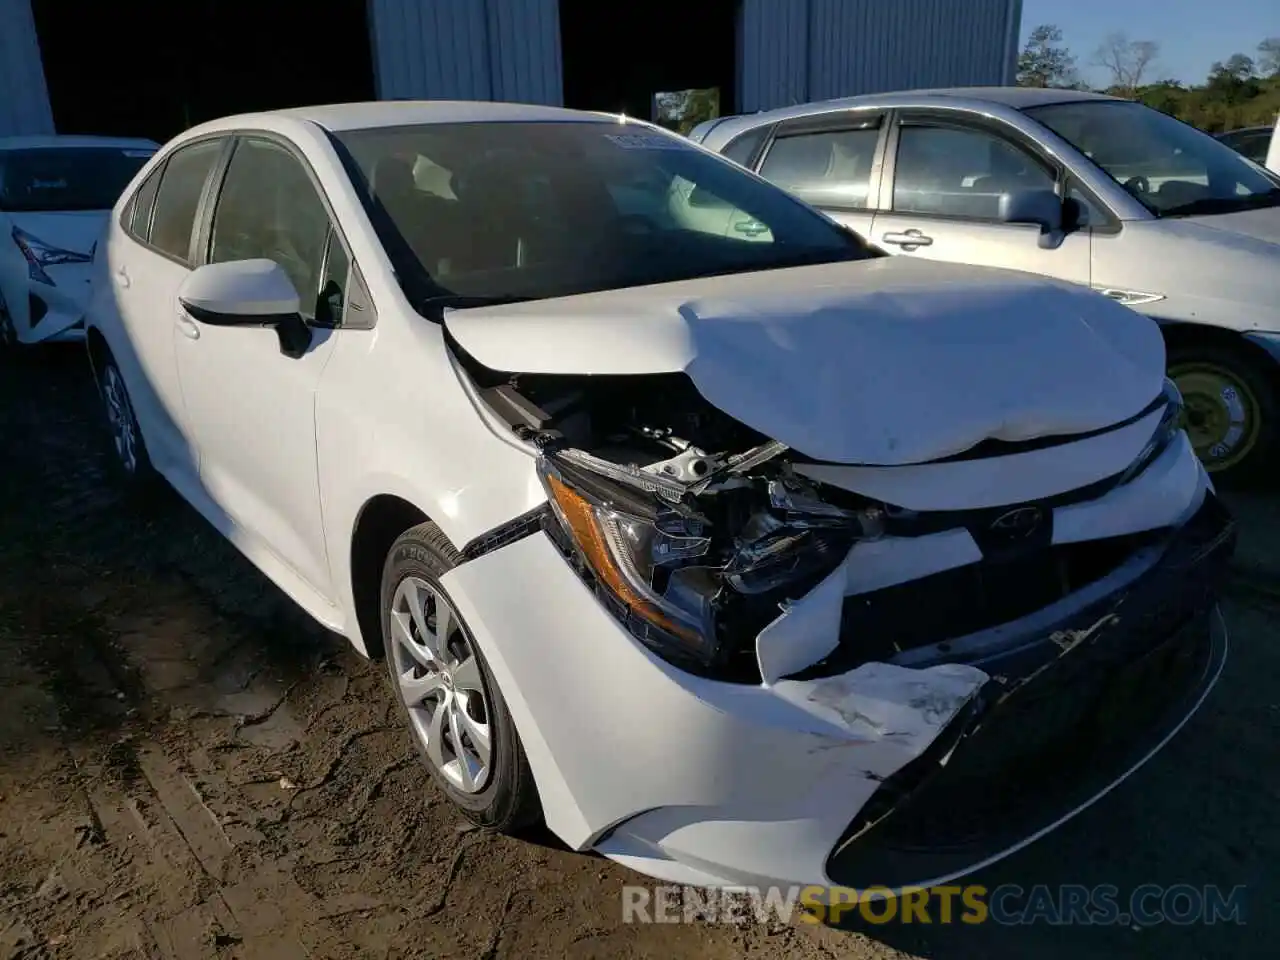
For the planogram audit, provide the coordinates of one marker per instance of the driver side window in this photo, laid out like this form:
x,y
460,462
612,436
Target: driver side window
x,y
954,171
269,208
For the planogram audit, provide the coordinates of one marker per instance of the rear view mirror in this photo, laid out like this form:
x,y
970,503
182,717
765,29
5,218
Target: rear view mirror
x,y
1042,207
247,293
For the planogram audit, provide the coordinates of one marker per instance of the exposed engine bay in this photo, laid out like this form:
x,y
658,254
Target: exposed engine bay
x,y
699,531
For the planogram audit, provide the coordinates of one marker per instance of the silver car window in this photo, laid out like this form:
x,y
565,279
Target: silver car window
x,y
831,168
960,172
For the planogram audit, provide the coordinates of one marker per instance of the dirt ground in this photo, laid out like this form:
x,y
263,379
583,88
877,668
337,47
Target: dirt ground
x,y
189,769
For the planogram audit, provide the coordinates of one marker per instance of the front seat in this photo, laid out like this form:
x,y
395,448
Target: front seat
x,y
404,208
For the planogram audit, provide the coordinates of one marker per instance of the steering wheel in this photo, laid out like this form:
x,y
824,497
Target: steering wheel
x,y
1138,184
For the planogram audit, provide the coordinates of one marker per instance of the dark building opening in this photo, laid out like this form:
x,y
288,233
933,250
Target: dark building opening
x,y
140,68
618,57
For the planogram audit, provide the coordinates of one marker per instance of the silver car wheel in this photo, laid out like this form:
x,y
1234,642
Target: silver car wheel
x,y
120,419
438,679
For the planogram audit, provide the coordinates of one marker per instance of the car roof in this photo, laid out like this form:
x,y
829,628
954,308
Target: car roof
x,y
52,141
340,117
972,98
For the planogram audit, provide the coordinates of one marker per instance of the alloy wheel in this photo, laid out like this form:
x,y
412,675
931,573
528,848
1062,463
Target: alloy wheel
x,y
120,418
439,680
1222,416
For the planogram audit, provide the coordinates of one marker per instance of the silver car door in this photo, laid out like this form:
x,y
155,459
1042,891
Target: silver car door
x,y
944,179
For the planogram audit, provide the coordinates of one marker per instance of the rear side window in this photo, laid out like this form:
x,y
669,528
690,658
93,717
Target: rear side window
x,y
831,168
178,197
144,201
740,148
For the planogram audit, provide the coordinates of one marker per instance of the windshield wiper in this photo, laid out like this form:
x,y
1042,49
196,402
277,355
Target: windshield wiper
x,y
459,301
1206,206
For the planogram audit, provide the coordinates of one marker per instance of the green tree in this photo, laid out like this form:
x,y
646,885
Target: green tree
x,y
1044,61
685,109
1269,57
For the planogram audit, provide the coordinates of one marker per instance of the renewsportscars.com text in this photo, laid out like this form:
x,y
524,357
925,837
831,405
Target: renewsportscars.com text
x,y
1008,904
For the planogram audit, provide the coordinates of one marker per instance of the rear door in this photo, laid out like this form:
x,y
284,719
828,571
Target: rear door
x,y
832,162
150,255
944,174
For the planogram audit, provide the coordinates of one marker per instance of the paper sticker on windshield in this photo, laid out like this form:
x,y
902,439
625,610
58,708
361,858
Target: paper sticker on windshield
x,y
646,141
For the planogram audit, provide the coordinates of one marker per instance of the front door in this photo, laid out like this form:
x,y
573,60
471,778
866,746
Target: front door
x,y
253,407
941,200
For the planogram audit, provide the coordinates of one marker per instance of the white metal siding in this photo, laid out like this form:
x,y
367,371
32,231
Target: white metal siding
x,y
24,99
467,49
794,51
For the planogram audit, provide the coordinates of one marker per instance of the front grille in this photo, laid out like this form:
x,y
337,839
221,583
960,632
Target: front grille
x,y
1058,723
997,590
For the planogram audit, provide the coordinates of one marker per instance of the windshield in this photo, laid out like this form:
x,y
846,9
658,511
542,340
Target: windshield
x,y
1171,168
485,212
50,179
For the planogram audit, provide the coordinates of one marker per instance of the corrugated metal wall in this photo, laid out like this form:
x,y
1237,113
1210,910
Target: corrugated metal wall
x,y
467,49
794,51
24,99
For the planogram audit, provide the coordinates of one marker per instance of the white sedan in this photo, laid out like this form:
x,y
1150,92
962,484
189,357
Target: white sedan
x,y
56,194
731,548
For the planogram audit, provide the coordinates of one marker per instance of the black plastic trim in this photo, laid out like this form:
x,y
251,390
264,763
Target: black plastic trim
x,y
505,534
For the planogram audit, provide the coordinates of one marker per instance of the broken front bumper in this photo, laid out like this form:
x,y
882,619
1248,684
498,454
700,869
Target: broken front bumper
x,y
696,781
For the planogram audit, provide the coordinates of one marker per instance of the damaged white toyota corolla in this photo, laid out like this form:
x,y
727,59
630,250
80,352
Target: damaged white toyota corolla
x,y
740,553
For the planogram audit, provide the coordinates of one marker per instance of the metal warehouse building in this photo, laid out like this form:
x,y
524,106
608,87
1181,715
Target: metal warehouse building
x,y
152,68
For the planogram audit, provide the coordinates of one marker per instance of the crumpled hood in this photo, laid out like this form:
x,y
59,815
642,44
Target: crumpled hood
x,y
888,361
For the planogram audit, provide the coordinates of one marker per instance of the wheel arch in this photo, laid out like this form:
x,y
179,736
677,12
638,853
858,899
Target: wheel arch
x,y
382,519
1183,334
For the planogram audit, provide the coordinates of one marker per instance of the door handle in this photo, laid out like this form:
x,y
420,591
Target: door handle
x,y
908,240
123,276
188,327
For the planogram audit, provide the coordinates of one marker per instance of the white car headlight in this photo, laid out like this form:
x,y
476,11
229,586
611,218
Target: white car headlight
x,y
1167,429
693,587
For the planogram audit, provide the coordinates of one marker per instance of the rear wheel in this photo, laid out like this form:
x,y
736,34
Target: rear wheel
x,y
130,460
456,714
1231,409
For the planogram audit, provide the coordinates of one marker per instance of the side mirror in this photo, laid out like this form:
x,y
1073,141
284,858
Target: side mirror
x,y
247,293
1042,207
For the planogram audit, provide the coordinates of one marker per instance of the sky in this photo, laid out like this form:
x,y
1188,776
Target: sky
x,y
1192,33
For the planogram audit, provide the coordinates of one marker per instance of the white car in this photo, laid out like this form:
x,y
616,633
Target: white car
x,y
56,194
737,560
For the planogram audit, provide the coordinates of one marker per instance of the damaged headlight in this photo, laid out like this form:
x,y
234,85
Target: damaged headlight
x,y
692,586
1169,427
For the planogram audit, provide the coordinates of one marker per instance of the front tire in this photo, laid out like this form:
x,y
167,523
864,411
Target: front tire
x,y
456,714
1231,409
